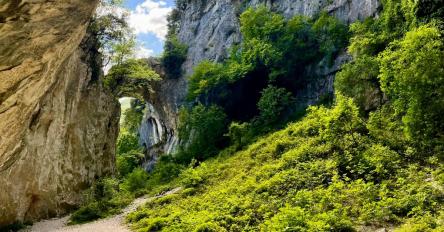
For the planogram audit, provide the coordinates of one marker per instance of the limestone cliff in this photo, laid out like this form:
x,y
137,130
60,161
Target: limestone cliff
x,y
58,126
209,28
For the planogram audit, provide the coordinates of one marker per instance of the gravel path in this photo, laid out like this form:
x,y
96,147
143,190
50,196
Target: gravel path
x,y
112,224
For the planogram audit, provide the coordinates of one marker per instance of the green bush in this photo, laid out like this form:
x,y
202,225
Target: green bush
x,y
165,171
273,104
130,76
135,181
202,128
194,177
206,75
359,80
332,35
127,162
209,227
104,198
411,75
127,142
174,55
240,134
87,213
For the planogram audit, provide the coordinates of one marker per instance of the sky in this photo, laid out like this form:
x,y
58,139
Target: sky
x,y
148,18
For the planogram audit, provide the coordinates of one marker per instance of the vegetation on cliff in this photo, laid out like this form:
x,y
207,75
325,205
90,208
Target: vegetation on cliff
x,y
373,159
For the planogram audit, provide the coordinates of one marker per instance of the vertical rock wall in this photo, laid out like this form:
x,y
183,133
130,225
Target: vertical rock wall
x,y
58,125
211,27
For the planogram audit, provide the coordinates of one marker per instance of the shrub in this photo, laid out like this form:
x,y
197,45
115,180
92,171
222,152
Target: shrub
x,y
273,104
194,177
332,35
127,142
209,227
174,55
127,162
202,128
164,171
240,134
135,181
411,75
359,80
101,200
206,75
87,213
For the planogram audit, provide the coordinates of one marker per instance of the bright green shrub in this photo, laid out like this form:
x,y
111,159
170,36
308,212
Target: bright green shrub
x,y
205,76
135,181
411,75
261,24
383,125
240,134
332,35
101,200
273,104
127,162
260,53
130,75
127,142
209,227
359,80
342,120
202,128
194,177
164,171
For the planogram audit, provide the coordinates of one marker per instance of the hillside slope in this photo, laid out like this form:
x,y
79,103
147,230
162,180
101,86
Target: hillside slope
x,y
324,173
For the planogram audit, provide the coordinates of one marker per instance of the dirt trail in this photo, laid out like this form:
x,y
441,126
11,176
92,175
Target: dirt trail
x,y
112,224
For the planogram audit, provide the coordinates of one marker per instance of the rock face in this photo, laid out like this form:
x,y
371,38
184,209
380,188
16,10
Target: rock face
x,y
58,126
158,132
211,27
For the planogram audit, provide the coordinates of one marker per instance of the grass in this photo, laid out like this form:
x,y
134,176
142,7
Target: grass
x,y
323,173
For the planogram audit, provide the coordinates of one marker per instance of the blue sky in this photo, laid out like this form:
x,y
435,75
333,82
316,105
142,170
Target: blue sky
x,y
148,19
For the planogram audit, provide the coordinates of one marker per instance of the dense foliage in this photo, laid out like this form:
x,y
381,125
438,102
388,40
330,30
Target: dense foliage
x,y
277,47
257,83
373,160
116,44
173,56
203,129
175,52
110,195
129,76
398,62
325,173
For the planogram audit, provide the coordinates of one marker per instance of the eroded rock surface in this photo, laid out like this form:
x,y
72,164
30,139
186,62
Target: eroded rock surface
x,y
58,126
209,28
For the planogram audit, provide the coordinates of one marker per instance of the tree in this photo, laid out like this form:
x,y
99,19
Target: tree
x,y
273,104
129,76
202,129
412,75
175,53
359,80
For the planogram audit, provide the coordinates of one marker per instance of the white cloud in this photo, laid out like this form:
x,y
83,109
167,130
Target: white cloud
x,y
150,17
142,52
